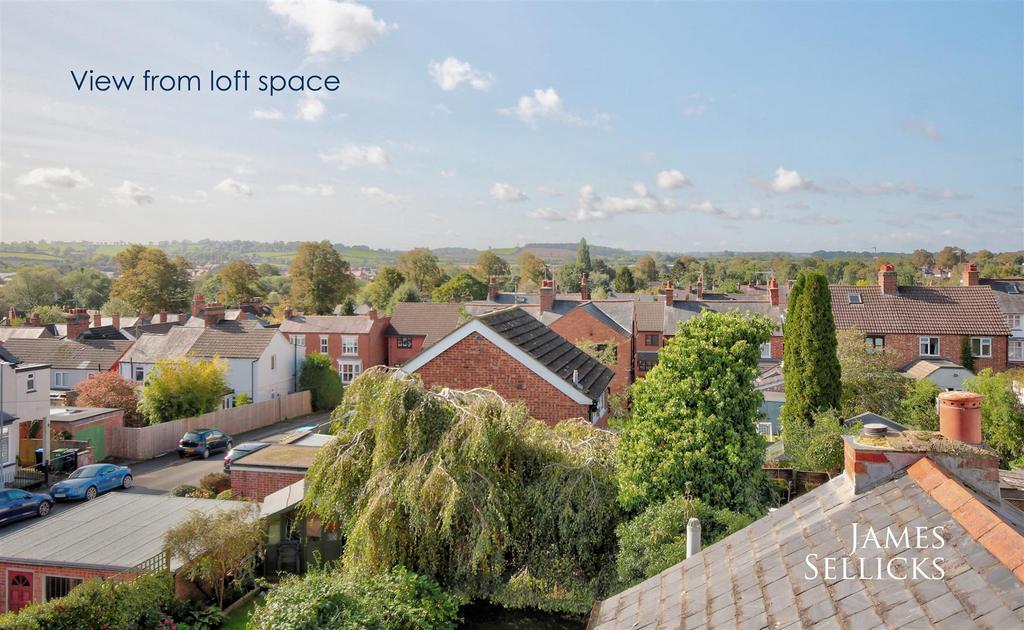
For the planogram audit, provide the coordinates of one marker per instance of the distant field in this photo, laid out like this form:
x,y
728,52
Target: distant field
x,y
110,250
30,256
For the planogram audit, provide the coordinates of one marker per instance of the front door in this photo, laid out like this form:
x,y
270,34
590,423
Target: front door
x,y
19,590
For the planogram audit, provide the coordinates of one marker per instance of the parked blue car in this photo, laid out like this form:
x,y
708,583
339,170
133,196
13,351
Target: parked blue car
x,y
89,481
18,504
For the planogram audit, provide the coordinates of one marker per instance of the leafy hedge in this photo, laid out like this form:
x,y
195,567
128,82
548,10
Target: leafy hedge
x,y
319,376
143,603
395,600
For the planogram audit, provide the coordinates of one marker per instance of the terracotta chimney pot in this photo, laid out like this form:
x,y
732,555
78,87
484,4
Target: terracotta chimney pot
x,y
960,416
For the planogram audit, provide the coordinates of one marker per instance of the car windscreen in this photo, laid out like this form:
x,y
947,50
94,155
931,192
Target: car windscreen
x,y
85,473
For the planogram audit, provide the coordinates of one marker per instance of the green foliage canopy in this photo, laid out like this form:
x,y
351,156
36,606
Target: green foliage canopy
x,y
320,278
319,376
182,388
1002,414
462,288
152,281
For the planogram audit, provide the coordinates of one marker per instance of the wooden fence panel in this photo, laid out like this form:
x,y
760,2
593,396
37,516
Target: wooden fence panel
x,y
151,441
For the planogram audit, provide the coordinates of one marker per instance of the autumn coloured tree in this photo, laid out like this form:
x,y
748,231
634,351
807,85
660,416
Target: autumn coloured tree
x,y
490,264
239,280
420,267
151,281
108,389
320,278
532,269
647,268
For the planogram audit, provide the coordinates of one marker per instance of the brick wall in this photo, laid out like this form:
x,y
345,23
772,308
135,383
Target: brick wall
x,y
39,574
578,324
476,362
372,345
776,344
257,484
398,356
109,421
902,349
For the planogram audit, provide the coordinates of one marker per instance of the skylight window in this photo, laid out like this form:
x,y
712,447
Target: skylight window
x,y
1012,288
854,298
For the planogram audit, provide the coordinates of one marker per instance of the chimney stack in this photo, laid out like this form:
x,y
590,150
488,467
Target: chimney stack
x,y
692,537
492,289
700,289
960,416
115,320
11,315
287,312
372,314
35,320
547,295
584,287
773,291
212,314
198,304
670,294
97,319
78,322
163,316
970,278
887,279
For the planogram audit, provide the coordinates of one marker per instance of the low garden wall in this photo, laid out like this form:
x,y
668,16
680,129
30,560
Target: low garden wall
x,y
138,443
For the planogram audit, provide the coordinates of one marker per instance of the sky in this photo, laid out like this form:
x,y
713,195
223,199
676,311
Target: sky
x,y
677,127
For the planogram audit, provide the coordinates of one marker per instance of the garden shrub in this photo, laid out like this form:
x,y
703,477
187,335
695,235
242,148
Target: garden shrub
x,y
226,495
215,482
183,490
325,598
321,378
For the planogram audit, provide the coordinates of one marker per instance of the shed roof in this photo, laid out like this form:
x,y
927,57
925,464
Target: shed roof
x,y
24,332
922,368
280,456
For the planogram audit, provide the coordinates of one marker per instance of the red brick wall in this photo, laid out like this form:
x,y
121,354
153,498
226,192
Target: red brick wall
x,y
776,342
578,324
902,349
641,344
476,362
39,574
256,485
109,422
398,356
372,346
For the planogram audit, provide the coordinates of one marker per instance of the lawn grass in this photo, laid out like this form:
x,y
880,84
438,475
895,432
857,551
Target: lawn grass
x,y
239,619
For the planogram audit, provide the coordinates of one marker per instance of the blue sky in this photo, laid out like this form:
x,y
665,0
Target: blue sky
x,y
673,126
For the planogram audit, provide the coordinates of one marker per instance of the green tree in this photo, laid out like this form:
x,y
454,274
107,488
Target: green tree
x,y
117,306
647,268
818,445
868,382
811,364
490,264
239,280
922,258
966,355
583,256
86,287
1002,414
624,281
32,286
462,288
420,267
949,257
383,286
917,409
532,269
405,293
348,306
692,427
321,378
50,314
320,278
183,388
568,277
151,281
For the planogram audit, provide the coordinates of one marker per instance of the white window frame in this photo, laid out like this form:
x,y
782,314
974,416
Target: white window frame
x,y
299,341
324,344
60,379
5,444
924,344
1016,321
354,369
30,382
982,352
350,345
766,350
139,371
1015,351
766,428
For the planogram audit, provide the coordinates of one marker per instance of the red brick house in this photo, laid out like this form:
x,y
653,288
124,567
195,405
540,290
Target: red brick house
x,y
353,342
913,322
520,358
588,322
415,326
1009,294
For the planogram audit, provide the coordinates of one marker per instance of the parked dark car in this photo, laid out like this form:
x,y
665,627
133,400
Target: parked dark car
x,y
202,442
90,481
19,504
242,450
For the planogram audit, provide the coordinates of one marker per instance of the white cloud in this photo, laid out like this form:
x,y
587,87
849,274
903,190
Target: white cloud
x,y
54,178
267,114
548,190
449,173
234,187
923,128
788,181
440,108
594,207
545,214
548,104
310,108
451,73
706,207
946,194
380,195
317,190
818,219
757,213
129,193
351,155
710,209
672,179
507,193
346,27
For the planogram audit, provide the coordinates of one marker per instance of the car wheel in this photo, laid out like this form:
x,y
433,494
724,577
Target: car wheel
x,y
90,494
44,508
206,453
126,482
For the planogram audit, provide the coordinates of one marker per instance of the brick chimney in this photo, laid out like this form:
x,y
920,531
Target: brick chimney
x,y
115,320
584,287
372,314
78,322
163,316
773,291
887,279
670,294
878,455
970,278
198,304
213,313
700,289
492,289
547,295
35,320
11,315
97,319
287,312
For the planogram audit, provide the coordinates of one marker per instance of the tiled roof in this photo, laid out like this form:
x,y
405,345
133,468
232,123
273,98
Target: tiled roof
x,y
327,324
654,316
921,368
69,354
243,339
6,356
919,310
550,349
23,332
1009,293
759,577
433,321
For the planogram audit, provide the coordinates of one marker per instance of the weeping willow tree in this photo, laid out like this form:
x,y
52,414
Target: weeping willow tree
x,y
469,490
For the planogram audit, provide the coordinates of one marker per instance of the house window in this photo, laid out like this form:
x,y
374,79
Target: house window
x,y
929,346
59,586
60,379
646,366
765,428
405,342
350,345
30,382
1016,322
273,362
650,340
140,373
874,343
349,371
1016,350
299,341
5,444
323,344
766,350
981,347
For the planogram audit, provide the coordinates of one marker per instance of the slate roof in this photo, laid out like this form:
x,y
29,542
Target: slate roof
x,y
424,319
6,356
328,324
550,349
655,316
1008,302
69,354
616,313
758,576
920,310
24,332
243,339
873,418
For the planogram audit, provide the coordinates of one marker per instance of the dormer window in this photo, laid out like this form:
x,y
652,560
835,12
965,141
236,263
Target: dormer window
x,y
854,298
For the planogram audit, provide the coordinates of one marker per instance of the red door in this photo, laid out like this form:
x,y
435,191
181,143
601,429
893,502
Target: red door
x,y
19,590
